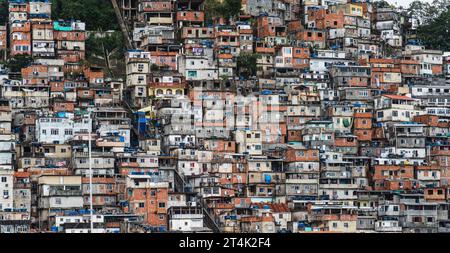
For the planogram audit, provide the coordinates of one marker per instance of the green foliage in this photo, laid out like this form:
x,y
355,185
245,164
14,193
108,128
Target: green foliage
x,y
98,14
224,77
3,11
211,10
225,9
106,50
426,12
382,4
96,45
154,68
246,64
436,34
231,8
18,62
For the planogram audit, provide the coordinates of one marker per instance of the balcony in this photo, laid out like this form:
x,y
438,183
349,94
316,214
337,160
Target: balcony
x,y
388,229
160,20
301,181
109,143
410,134
156,6
61,192
187,216
332,217
420,225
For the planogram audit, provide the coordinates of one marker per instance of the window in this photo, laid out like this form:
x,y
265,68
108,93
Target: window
x,y
54,132
161,205
3,179
417,219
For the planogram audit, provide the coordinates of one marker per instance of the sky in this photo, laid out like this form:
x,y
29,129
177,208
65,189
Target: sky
x,y
404,3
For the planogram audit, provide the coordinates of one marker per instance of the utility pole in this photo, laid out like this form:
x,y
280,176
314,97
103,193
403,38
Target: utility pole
x,y
90,175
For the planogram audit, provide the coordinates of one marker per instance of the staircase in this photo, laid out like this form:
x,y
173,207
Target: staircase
x,y
129,43
208,219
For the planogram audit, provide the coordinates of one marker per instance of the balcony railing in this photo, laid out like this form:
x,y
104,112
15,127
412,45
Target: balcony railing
x,y
61,192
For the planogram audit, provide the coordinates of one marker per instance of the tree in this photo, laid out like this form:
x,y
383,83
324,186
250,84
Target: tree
x,y
3,11
227,9
99,15
381,4
436,34
18,62
106,46
231,8
211,10
426,12
224,77
246,64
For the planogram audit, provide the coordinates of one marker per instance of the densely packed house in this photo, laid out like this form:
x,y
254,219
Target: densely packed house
x,y
291,116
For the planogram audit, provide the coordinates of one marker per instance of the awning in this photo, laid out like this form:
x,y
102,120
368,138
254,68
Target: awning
x,y
146,109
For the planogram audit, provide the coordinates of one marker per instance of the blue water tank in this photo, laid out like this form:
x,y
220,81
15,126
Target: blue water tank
x,y
267,178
